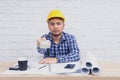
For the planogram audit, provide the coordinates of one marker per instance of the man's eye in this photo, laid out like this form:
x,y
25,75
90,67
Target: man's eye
x,y
51,23
59,23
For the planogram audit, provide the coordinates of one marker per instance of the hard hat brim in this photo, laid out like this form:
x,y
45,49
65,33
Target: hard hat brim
x,y
56,17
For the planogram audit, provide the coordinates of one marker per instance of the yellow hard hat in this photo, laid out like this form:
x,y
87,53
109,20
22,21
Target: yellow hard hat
x,y
55,13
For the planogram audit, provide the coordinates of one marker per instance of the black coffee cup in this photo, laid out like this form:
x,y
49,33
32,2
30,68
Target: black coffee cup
x,y
22,63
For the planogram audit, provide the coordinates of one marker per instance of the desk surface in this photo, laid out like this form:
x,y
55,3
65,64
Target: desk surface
x,y
109,71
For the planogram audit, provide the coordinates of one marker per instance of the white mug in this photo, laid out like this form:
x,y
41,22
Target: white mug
x,y
45,44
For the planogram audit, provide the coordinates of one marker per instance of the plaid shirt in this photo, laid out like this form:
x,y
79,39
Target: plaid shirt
x,y
66,51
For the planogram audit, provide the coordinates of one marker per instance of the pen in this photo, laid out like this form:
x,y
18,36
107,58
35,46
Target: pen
x,y
42,67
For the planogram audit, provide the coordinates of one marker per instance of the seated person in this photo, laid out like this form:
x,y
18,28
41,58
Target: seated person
x,y
63,47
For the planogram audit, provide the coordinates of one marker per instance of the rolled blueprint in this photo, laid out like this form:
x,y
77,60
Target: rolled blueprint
x,y
95,70
85,70
86,60
90,60
91,63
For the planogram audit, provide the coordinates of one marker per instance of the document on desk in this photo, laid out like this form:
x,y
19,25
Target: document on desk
x,y
51,69
60,67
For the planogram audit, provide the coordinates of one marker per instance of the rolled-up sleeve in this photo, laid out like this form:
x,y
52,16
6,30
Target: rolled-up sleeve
x,y
41,50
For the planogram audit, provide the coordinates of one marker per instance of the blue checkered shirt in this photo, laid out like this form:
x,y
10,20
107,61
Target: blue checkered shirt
x,y
66,51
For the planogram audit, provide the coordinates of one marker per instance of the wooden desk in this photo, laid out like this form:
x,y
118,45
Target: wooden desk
x,y
109,71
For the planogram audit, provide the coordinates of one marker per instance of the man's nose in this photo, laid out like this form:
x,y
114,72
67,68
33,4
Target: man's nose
x,y
55,26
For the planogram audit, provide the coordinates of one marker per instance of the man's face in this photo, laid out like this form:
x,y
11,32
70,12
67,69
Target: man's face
x,y
56,26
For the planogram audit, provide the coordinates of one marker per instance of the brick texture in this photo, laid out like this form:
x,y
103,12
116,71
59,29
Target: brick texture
x,y
95,23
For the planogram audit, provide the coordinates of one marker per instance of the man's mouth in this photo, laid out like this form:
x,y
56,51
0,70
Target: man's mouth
x,y
56,31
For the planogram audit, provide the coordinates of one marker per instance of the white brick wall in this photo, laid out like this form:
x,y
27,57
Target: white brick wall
x,y
95,23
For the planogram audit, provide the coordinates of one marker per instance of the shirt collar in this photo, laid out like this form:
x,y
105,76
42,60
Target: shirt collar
x,y
63,37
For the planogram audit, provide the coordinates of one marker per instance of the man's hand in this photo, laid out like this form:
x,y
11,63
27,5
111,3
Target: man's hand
x,y
40,40
48,60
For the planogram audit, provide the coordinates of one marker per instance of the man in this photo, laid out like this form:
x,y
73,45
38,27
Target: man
x,y
63,47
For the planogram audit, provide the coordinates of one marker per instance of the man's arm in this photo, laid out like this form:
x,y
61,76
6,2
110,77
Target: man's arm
x,y
40,50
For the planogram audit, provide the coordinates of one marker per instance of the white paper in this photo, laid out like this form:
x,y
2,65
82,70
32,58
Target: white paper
x,y
51,69
33,68
59,67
